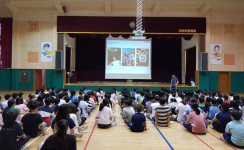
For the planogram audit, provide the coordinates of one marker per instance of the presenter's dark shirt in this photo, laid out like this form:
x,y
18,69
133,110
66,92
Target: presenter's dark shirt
x,y
174,81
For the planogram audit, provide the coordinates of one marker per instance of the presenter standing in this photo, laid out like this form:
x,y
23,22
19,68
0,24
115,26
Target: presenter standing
x,y
174,82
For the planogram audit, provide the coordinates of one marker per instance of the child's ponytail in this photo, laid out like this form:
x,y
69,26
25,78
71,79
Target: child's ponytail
x,y
61,133
103,104
194,106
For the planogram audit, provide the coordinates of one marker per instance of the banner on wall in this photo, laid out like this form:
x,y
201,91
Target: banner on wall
x,y
216,53
46,51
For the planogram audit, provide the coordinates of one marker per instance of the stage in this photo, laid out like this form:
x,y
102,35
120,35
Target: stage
x,y
105,85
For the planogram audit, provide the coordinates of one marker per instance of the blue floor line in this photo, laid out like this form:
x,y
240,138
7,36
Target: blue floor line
x,y
163,136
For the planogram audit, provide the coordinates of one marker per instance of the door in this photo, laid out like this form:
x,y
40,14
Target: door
x,y
38,79
224,82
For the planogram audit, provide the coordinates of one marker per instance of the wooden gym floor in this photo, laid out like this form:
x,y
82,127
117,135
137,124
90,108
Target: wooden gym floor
x,y
156,138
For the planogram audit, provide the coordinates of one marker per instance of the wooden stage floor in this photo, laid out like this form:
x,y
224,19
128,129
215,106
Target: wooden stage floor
x,y
134,84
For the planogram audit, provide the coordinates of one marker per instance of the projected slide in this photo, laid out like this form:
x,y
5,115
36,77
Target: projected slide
x,y
128,59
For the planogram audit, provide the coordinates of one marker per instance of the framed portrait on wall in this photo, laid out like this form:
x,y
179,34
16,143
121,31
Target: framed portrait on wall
x,y
24,77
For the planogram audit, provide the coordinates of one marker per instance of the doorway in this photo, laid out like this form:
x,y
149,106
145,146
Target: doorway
x,y
190,64
67,60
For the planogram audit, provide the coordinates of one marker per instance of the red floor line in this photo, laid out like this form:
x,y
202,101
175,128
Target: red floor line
x,y
222,140
199,138
90,136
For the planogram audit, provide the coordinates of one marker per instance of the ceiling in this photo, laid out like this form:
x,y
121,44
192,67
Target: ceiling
x,y
124,7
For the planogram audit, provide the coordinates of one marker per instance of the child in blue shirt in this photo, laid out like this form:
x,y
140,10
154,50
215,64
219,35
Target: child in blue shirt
x,y
138,121
234,131
213,109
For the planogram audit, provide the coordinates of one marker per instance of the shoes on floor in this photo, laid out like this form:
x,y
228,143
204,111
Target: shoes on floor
x,y
211,126
84,128
79,135
221,138
114,124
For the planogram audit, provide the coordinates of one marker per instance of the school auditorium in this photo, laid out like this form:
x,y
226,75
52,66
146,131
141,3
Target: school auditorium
x,y
121,74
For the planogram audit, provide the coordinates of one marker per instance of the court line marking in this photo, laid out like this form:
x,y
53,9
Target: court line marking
x,y
163,136
90,136
33,140
198,138
222,141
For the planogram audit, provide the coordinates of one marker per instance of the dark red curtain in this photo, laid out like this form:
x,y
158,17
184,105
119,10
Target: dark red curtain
x,y
90,58
67,60
190,64
121,24
6,42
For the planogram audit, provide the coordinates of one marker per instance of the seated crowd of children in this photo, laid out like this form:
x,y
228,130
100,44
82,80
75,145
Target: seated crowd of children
x,y
195,110
65,112
22,119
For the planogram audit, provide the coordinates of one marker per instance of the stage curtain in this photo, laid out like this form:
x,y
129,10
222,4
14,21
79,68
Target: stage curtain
x,y
121,24
190,64
6,42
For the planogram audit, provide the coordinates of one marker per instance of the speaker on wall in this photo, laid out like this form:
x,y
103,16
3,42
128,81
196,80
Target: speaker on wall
x,y
59,61
203,61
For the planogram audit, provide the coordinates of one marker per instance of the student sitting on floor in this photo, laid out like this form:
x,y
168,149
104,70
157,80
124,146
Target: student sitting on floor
x,y
201,103
180,109
21,107
5,102
128,111
11,104
56,104
72,96
138,94
234,105
150,102
222,118
152,109
162,114
198,120
112,103
60,140
46,111
78,113
32,122
63,113
134,102
20,95
31,99
11,131
104,115
89,103
213,109
138,121
84,108
14,96
189,110
72,114
172,106
234,131
226,99
61,97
